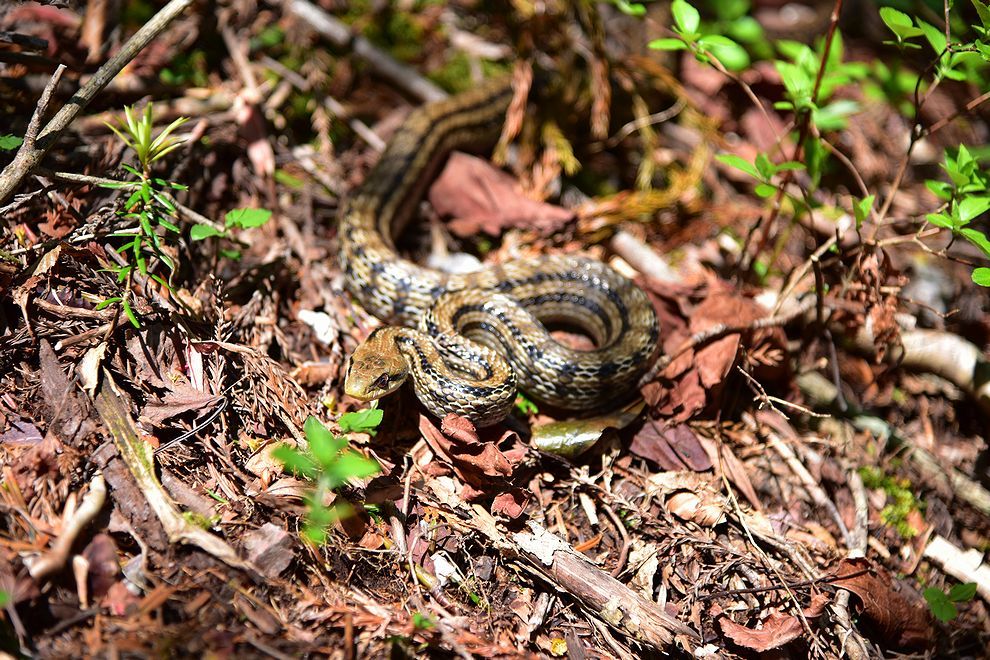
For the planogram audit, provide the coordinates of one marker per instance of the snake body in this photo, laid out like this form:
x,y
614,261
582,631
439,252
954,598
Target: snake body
x,y
468,340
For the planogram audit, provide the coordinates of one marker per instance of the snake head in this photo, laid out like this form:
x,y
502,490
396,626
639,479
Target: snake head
x,y
377,367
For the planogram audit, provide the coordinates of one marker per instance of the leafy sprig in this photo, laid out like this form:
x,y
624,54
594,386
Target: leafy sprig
x,y
943,604
330,463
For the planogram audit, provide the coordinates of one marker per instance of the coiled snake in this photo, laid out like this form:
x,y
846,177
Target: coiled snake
x,y
469,339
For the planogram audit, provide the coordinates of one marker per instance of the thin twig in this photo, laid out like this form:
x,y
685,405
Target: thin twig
x,y
722,329
29,156
803,129
31,134
341,36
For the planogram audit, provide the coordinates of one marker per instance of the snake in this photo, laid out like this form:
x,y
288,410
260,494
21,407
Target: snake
x,y
470,341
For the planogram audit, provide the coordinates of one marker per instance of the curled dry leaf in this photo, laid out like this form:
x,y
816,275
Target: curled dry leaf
x,y
478,462
183,398
483,198
101,553
778,628
898,615
694,378
671,447
511,503
689,506
693,497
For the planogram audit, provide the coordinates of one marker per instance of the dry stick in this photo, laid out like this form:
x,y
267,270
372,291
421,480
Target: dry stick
x,y
29,156
802,134
642,619
833,358
55,558
31,134
341,36
812,486
760,552
333,105
853,643
195,216
969,107
848,164
723,329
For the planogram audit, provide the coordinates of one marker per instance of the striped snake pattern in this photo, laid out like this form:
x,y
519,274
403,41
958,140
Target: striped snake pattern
x,y
470,340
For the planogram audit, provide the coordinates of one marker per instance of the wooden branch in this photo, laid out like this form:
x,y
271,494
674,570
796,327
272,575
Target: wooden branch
x,y
140,460
340,35
610,600
56,557
30,154
964,565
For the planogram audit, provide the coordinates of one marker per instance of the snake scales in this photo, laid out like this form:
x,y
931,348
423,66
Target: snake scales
x,y
468,340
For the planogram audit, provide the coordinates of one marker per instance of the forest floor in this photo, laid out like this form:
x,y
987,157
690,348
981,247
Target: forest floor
x,y
181,473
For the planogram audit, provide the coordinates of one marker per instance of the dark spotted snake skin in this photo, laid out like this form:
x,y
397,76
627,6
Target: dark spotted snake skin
x,y
469,340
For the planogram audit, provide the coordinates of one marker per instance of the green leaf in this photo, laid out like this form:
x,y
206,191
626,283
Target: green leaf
x,y
746,29
740,163
940,220
287,179
106,303
131,316
685,16
630,8
861,209
981,276
815,157
977,238
728,52
790,165
4,598
422,621
972,207
940,189
351,465
983,11
133,199
935,36
200,232
361,421
961,593
765,190
894,18
667,44
899,23
323,445
833,116
245,218
764,166
10,142
941,606
295,461
165,202
797,82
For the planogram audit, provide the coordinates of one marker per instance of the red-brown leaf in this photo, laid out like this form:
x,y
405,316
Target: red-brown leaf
x,y
483,198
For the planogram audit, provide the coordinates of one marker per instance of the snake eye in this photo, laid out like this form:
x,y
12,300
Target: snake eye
x,y
381,382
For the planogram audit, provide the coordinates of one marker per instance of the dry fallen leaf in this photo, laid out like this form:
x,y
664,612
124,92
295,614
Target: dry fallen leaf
x,y
672,447
480,197
899,616
778,628
695,377
481,463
